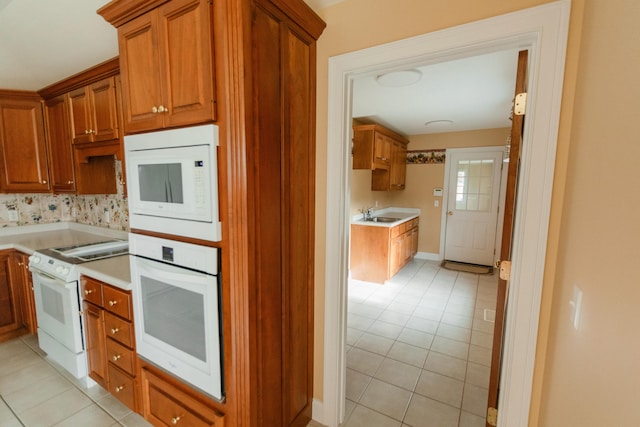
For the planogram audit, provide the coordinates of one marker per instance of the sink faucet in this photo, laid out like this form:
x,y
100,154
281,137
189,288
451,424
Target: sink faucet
x,y
367,214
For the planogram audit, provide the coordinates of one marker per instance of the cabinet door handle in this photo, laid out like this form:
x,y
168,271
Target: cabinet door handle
x,y
114,331
175,420
161,109
119,388
70,182
44,181
154,109
116,357
112,303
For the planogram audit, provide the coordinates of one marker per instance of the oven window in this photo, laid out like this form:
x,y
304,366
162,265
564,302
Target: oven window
x,y
174,316
52,303
161,183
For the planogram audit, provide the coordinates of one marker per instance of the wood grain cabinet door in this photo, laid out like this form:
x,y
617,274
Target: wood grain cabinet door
x,y
80,115
96,349
23,166
139,73
184,38
59,147
104,113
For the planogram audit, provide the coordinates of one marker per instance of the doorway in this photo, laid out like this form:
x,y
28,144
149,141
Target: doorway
x,y
542,30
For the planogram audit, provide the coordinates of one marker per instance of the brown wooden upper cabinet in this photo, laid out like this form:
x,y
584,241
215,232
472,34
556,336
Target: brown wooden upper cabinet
x,y
384,152
59,150
94,113
166,66
23,166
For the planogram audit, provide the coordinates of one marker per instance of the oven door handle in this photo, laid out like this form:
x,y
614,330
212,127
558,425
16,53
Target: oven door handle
x,y
45,278
164,272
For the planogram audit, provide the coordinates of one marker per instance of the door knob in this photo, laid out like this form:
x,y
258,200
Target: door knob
x,y
449,213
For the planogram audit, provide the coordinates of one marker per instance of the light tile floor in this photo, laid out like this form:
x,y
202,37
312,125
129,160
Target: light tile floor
x,y
419,348
36,392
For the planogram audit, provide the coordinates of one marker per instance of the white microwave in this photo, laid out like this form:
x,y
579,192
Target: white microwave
x,y
173,182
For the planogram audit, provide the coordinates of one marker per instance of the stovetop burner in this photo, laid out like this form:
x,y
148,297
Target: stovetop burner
x,y
59,262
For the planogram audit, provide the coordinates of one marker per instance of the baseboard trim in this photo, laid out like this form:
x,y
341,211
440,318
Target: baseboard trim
x,y
317,412
428,256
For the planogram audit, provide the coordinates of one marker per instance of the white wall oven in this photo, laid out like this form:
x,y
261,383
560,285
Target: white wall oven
x,y
173,181
176,294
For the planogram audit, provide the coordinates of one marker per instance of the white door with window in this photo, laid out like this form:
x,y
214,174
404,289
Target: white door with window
x,y
473,198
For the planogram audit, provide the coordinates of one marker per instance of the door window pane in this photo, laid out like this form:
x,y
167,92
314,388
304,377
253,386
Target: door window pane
x,y
474,185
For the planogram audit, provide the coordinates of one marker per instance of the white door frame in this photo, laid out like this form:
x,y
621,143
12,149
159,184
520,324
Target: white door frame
x,y
543,30
445,196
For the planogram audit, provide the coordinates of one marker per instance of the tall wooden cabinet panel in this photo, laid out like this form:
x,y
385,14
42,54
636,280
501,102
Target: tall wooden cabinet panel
x,y
166,64
59,145
281,152
23,166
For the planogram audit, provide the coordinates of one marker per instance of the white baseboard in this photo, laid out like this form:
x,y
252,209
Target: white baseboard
x,y
428,256
317,411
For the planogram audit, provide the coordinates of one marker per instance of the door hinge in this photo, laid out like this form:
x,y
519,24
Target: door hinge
x,y
492,416
505,269
520,104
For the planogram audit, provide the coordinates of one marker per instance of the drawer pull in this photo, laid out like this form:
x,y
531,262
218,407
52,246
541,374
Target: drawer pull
x,y
175,420
116,357
89,291
119,388
112,303
114,331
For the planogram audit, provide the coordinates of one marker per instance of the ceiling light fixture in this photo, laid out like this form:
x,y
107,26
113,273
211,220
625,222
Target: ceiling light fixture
x,y
399,78
439,123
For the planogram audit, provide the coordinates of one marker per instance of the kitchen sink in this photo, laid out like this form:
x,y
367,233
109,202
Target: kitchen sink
x,y
384,219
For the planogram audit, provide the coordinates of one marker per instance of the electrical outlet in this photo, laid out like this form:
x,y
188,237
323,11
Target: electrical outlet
x,y
107,218
13,215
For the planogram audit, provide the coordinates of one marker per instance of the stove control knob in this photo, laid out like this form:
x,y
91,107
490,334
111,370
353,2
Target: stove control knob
x,y
59,269
34,259
65,270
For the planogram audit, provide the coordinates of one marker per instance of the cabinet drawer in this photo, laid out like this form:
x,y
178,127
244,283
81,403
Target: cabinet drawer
x,y
121,356
398,230
166,405
91,290
122,386
118,302
119,330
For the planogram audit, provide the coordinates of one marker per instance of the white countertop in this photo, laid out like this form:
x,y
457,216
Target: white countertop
x,y
403,215
28,239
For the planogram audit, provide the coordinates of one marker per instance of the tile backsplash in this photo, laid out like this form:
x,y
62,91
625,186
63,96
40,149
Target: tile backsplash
x,y
102,210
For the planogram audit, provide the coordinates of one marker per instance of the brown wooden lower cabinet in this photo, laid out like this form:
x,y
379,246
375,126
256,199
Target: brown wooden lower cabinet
x,y
110,340
165,402
378,253
17,304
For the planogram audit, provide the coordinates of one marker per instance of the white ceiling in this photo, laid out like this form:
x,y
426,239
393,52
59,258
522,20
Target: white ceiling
x,y
45,41
473,93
